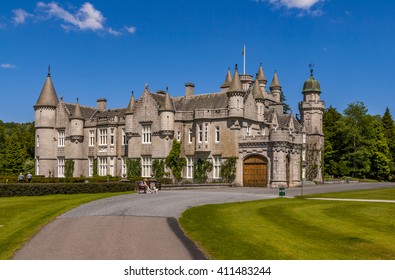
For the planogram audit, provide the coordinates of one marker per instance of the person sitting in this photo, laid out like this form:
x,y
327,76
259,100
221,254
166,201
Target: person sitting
x,y
21,178
29,177
146,185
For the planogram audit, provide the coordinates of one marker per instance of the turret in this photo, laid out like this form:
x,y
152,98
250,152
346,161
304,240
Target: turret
x,y
262,79
259,99
77,123
228,79
236,95
44,123
166,113
275,90
129,115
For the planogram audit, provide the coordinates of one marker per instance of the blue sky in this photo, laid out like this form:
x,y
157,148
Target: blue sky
x,y
109,48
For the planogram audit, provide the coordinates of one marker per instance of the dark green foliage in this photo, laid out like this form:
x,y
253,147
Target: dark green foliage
x,y
356,143
174,160
228,169
158,168
16,147
286,108
201,168
47,189
69,168
133,167
95,167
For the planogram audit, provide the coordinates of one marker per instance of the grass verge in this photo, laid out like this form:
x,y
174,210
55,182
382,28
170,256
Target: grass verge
x,y
295,229
22,217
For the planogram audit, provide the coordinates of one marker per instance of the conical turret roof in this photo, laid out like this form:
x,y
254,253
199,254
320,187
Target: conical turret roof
x,y
48,97
77,111
261,75
275,82
130,108
235,85
257,91
169,106
228,79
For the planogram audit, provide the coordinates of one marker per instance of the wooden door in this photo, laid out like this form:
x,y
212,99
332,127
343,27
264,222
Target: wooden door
x,y
255,172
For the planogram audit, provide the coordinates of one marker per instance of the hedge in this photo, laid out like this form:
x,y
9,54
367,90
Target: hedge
x,y
43,179
25,189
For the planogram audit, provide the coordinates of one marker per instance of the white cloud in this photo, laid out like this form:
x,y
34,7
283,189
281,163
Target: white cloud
x,y
86,18
304,5
7,65
20,16
131,29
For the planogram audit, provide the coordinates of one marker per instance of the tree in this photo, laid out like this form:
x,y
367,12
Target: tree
x,y
158,168
174,161
286,107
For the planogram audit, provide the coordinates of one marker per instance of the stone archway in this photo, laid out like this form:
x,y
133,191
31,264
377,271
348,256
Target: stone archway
x,y
255,171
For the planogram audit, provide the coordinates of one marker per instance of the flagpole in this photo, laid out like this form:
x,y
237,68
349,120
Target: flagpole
x,y
244,56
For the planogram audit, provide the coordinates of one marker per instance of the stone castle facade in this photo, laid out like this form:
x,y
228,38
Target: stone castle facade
x,y
244,119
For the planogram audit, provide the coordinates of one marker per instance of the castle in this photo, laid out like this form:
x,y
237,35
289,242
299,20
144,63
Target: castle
x,y
244,120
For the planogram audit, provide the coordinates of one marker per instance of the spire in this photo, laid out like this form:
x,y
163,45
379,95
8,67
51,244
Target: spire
x,y
235,85
48,97
132,102
77,111
257,91
275,83
261,75
169,106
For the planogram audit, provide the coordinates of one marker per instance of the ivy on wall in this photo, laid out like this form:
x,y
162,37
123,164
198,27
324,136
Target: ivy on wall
x,y
228,169
158,168
133,167
201,168
69,168
174,160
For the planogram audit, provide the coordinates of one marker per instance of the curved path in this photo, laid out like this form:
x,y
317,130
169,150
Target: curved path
x,y
141,226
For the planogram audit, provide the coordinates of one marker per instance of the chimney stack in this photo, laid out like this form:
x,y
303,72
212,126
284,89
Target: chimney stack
x,y
101,104
189,90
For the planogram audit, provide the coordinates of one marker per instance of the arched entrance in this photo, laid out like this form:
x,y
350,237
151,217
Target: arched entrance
x,y
255,171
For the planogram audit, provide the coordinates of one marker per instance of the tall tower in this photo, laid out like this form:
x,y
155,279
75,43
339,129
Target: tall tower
x,y
275,90
44,124
311,111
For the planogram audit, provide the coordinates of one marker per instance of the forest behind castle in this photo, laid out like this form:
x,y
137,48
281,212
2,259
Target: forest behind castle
x,y
357,145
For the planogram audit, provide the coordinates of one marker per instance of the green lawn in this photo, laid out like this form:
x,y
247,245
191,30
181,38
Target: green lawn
x,y
295,228
22,217
381,194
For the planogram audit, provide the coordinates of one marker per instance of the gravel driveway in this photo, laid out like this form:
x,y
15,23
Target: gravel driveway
x,y
141,226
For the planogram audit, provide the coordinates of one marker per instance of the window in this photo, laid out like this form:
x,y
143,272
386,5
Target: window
x,y
263,131
146,134
37,141
200,133
124,170
61,138
37,166
60,167
90,169
217,134
91,137
237,104
102,166
217,167
112,168
178,136
112,136
146,166
102,136
124,139
190,136
206,132
189,167
248,130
